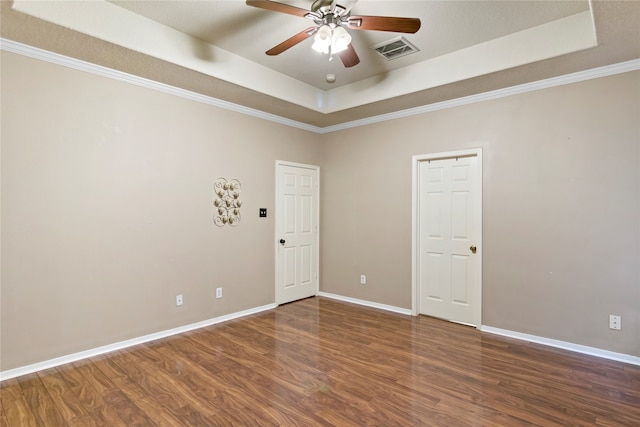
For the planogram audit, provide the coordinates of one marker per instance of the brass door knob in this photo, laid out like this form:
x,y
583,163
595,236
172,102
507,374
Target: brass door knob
x,y
473,249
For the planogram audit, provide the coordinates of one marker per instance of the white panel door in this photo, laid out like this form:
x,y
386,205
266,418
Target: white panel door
x,y
296,232
448,233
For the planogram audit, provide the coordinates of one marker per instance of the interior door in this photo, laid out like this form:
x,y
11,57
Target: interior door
x,y
296,232
449,224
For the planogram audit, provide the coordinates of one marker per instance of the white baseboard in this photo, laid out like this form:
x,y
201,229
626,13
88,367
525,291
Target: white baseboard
x,y
592,351
29,369
366,303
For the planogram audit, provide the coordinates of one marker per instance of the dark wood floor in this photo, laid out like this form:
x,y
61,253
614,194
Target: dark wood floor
x,y
320,362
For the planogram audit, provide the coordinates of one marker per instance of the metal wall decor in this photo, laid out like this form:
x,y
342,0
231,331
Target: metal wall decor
x,y
227,202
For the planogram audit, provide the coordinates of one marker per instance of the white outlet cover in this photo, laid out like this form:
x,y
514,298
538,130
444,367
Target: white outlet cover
x,y
615,322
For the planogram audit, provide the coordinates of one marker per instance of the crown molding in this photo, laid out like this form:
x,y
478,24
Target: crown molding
x,y
43,55
594,73
76,64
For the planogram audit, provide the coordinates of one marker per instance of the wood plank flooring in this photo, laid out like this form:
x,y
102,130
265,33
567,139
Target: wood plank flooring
x,y
319,362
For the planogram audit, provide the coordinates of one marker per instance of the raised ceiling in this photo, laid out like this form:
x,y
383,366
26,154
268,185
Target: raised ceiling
x,y
217,48
446,27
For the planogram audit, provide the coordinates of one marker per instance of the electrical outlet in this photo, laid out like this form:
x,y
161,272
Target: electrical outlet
x,y
218,292
178,300
615,322
363,279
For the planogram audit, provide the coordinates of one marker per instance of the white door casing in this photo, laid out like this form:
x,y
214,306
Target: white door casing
x,y
297,237
447,250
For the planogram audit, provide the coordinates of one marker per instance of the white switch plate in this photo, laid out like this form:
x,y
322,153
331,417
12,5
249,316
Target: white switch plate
x,y
178,300
363,279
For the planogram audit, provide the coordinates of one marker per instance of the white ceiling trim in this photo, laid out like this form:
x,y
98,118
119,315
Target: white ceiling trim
x,y
594,73
109,22
76,64
545,41
114,24
43,55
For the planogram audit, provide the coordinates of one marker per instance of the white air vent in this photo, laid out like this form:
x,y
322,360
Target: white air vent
x,y
395,48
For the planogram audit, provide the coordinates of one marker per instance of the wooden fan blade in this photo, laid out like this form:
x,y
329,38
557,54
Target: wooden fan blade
x,y
349,56
292,41
384,23
278,7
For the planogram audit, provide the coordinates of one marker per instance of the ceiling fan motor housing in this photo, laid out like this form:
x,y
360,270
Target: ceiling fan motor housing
x,y
323,6
325,11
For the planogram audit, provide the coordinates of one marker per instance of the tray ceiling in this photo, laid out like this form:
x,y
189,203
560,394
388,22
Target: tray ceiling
x,y
217,48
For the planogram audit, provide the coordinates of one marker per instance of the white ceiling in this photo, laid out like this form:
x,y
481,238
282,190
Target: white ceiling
x,y
217,48
447,26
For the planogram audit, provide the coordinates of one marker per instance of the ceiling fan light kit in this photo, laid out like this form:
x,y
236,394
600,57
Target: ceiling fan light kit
x,y
331,40
330,35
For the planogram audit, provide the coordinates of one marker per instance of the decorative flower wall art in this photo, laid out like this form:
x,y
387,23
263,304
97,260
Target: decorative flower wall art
x,y
227,202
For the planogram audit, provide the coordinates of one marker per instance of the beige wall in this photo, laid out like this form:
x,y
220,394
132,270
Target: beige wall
x,y
561,211
107,209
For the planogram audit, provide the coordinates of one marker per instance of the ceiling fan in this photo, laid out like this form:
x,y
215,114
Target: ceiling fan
x,y
330,20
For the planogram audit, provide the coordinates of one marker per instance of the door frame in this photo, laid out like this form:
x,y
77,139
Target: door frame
x,y
415,224
278,210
